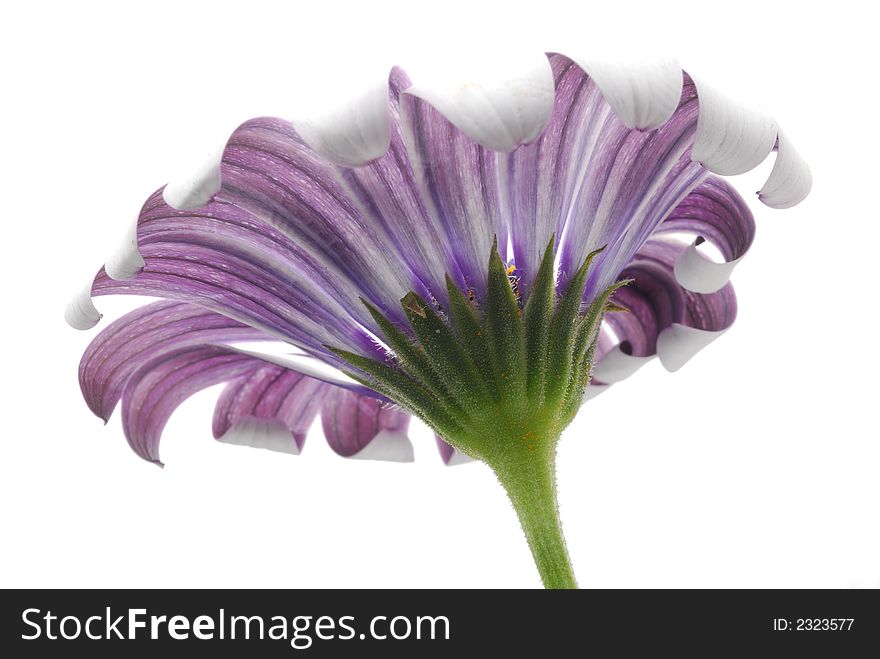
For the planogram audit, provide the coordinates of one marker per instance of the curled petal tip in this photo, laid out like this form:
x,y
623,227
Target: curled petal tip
x,y
617,365
700,274
80,312
677,344
388,446
197,186
790,179
458,458
507,109
595,390
268,434
643,93
353,134
731,138
127,261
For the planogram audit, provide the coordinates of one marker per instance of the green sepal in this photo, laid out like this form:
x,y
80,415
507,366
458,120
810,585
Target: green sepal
x,y
583,352
563,329
588,329
470,330
504,329
411,356
398,386
537,316
443,350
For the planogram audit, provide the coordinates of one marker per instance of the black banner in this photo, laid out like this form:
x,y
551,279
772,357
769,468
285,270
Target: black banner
x,y
279,623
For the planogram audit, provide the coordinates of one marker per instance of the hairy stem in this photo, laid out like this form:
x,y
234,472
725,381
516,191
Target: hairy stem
x,y
531,485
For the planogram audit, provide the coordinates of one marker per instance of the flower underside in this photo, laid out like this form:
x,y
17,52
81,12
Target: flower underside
x,y
281,234
499,384
497,381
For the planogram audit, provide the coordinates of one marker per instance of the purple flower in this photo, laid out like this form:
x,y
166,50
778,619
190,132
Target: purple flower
x,y
313,233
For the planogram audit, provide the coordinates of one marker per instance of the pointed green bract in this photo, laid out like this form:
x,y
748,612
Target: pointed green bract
x,y
562,332
398,386
504,330
443,349
470,331
537,315
411,356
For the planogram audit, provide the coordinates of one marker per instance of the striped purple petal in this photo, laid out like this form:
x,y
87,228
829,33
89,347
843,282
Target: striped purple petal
x,y
664,319
459,182
386,191
155,357
142,335
363,427
715,213
270,172
594,181
222,258
271,407
154,390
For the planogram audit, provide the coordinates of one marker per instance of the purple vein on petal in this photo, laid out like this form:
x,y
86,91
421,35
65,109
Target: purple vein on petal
x,y
352,422
140,336
273,395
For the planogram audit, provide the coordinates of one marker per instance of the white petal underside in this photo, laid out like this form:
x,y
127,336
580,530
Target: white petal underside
x,y
268,434
677,344
732,138
127,261
616,365
195,186
354,133
81,312
790,179
388,446
698,273
508,106
643,93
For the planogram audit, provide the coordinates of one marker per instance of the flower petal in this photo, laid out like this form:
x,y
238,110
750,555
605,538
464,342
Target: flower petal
x,y
618,364
458,177
351,134
506,107
365,428
790,179
642,93
678,344
141,336
224,259
450,455
664,319
594,181
716,213
271,407
272,174
385,190
197,185
153,391
80,312
732,138
127,261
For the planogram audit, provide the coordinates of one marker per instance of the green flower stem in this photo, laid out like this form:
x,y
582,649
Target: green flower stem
x,y
530,483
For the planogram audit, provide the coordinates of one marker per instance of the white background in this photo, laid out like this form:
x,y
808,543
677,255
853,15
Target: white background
x,y
755,465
